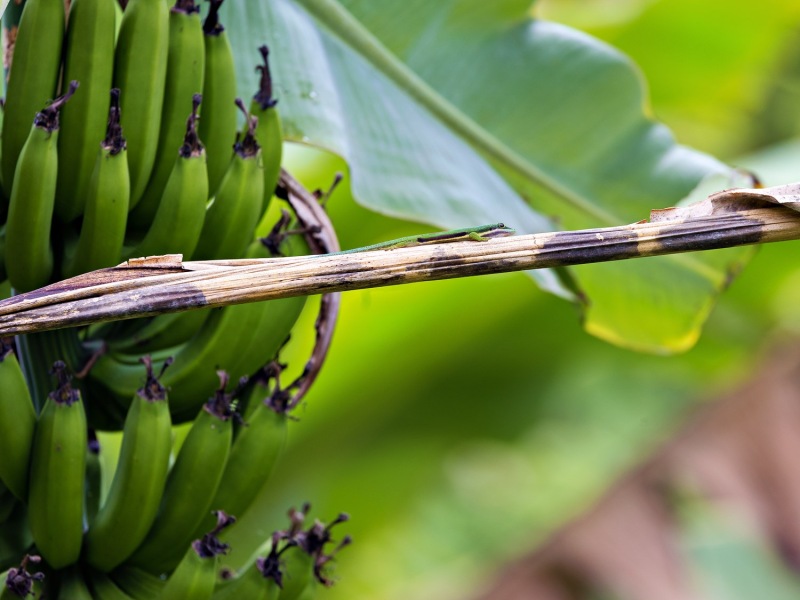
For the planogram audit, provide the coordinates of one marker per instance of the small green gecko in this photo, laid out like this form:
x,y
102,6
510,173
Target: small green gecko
x,y
481,233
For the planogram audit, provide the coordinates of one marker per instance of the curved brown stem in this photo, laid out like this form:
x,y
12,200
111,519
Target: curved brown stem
x,y
321,238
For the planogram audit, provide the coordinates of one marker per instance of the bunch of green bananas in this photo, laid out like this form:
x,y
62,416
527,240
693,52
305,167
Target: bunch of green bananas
x,y
139,155
153,525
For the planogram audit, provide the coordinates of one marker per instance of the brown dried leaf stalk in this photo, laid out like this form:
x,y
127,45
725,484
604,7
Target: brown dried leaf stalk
x,y
152,286
321,238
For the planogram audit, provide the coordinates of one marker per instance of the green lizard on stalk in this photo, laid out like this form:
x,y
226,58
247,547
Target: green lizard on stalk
x,y
481,233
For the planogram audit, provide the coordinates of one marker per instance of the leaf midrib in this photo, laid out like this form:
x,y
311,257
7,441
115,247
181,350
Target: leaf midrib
x,y
352,32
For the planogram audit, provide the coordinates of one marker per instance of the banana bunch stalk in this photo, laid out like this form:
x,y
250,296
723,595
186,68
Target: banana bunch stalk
x,y
120,139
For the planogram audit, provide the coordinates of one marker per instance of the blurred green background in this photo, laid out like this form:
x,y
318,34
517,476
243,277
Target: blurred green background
x,y
461,422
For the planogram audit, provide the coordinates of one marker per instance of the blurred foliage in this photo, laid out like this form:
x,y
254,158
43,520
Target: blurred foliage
x,y
717,70
727,562
460,422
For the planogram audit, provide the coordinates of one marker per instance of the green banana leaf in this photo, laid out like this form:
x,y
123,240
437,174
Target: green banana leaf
x,y
451,113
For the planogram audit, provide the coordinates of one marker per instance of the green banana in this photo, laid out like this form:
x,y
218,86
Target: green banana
x,y
105,588
3,275
140,69
89,59
138,584
195,575
125,518
7,503
115,331
269,133
29,255
15,536
304,560
259,388
58,466
73,586
310,592
236,209
20,582
106,202
298,567
256,582
163,331
218,131
253,456
17,423
191,485
38,350
193,579
185,72
321,559
33,77
238,339
179,217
